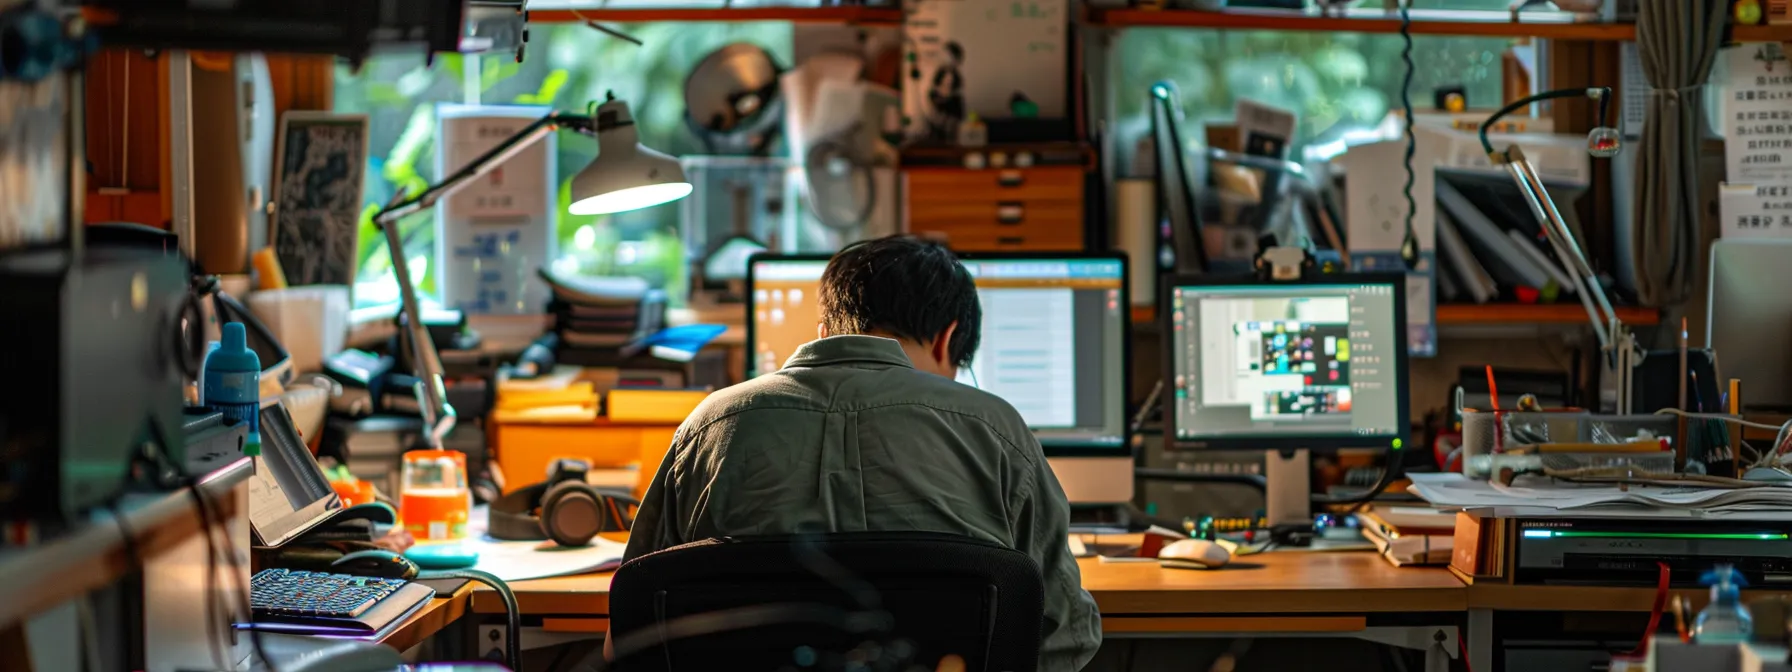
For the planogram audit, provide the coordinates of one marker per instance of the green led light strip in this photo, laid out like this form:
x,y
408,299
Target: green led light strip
x,y
1652,535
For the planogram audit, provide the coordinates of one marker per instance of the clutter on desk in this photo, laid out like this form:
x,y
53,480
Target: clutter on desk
x,y
1410,535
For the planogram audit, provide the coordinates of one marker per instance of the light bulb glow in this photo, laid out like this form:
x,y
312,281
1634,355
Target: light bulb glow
x,y
633,198
1604,142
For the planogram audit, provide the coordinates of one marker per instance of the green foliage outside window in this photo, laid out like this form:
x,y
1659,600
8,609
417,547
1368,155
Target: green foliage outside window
x,y
1335,82
567,66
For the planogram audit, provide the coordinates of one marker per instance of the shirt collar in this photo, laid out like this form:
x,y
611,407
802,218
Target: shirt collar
x,y
844,349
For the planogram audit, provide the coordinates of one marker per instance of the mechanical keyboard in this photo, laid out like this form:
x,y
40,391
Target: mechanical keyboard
x,y
332,603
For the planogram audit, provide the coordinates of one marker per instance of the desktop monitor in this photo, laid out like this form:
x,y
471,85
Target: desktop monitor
x,y
1315,364
1055,346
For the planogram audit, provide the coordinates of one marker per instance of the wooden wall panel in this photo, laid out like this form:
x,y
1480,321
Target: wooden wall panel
x,y
128,149
126,117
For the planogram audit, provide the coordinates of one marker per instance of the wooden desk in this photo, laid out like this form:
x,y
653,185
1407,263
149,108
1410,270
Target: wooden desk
x,y
1143,597
431,619
1296,592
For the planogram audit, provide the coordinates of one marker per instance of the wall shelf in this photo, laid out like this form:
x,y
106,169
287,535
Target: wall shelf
x,y
562,12
1500,313
1461,22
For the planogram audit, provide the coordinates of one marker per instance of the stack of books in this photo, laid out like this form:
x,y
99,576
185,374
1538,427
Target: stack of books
x,y
1410,535
603,321
1491,246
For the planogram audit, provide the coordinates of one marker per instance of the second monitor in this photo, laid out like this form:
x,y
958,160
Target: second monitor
x,y
1313,364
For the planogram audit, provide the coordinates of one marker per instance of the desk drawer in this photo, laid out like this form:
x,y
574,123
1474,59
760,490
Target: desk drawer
x,y
977,227
953,185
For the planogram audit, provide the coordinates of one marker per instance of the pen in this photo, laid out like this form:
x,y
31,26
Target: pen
x,y
1684,370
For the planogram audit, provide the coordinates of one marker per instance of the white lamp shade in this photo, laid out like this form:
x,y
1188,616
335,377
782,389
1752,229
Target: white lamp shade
x,y
626,176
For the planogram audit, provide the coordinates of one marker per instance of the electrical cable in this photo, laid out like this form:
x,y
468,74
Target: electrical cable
x,y
211,579
1603,94
132,554
90,640
1661,602
236,571
1409,244
1734,419
1390,472
513,647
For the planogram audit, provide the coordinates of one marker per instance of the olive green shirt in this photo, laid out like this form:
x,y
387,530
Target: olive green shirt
x,y
850,437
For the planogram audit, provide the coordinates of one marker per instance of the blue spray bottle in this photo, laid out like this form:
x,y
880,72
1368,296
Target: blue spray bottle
x,y
1725,620
233,383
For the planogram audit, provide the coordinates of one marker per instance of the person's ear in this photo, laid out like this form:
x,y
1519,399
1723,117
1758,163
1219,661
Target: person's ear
x,y
941,349
821,330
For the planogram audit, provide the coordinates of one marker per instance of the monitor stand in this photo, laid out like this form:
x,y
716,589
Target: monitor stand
x,y
1288,496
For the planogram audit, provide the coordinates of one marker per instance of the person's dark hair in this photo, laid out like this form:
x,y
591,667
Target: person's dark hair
x,y
906,286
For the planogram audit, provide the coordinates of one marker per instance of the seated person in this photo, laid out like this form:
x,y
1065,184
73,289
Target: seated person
x,y
865,429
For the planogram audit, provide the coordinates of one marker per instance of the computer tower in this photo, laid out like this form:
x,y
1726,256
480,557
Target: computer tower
x,y
92,372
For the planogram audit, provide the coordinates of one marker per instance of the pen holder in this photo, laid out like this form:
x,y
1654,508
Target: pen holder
x,y
1486,433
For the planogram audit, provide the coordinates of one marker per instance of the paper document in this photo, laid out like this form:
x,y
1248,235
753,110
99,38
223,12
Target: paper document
x,y
1459,492
524,560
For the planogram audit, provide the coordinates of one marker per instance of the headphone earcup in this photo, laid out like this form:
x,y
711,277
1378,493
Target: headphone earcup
x,y
571,514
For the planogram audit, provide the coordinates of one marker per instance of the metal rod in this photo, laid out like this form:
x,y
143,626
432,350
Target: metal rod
x,y
1585,284
432,394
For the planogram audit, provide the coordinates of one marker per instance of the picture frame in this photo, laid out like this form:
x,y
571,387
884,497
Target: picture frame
x,y
320,165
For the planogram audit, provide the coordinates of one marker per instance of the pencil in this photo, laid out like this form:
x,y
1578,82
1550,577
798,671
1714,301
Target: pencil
x,y
1493,390
1684,370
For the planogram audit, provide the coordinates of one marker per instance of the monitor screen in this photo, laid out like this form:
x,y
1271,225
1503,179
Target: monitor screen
x,y
1278,365
1053,346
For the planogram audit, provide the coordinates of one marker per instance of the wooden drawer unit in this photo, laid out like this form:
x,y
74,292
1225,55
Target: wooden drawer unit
x,y
996,209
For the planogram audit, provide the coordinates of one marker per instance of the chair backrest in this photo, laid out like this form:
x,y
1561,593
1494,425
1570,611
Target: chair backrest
x,y
936,594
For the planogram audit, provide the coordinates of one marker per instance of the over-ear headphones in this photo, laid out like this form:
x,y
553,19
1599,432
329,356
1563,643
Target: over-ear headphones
x,y
571,511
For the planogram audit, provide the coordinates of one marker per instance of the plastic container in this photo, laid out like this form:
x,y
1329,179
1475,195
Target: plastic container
x,y
434,501
232,383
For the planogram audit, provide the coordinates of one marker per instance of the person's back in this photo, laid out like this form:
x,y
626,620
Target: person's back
x,y
867,431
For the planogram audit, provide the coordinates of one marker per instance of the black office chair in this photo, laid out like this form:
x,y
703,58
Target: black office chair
x,y
815,601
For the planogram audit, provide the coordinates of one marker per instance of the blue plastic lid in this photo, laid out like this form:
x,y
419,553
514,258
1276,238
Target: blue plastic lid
x,y
1726,584
233,353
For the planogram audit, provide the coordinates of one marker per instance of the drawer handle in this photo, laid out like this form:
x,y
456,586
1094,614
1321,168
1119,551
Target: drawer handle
x,y
1010,212
1011,178
1010,240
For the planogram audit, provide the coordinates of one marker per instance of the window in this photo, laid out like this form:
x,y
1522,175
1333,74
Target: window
x,y
567,66
1335,82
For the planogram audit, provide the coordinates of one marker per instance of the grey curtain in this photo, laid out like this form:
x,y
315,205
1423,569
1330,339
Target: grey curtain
x,y
1677,41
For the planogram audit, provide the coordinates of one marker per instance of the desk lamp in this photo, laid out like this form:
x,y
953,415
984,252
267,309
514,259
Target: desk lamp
x,y
1603,142
626,176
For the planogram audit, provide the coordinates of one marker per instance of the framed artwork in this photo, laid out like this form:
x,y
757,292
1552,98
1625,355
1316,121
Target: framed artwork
x,y
319,168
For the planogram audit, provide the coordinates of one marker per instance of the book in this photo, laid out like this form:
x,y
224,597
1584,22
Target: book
x,y
1410,535
1475,280
1536,253
1503,259
652,406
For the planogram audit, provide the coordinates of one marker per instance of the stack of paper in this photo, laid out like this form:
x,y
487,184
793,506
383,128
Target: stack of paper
x,y
1454,491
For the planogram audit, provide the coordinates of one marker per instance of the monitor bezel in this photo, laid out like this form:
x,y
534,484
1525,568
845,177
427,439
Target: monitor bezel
x,y
1314,442
1125,449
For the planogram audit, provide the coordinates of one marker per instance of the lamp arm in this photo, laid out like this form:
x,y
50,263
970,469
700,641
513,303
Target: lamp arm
x,y
432,394
1606,325
1603,94
485,163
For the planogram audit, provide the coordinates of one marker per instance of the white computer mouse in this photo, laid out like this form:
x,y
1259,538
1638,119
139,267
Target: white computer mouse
x,y
1194,554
